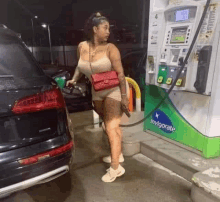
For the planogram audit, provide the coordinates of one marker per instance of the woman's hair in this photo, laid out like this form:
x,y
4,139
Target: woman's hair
x,y
94,20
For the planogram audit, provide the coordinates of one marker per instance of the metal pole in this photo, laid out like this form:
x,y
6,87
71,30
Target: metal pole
x,y
143,23
32,36
64,55
51,55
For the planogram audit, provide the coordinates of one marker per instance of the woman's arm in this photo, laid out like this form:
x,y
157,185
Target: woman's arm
x,y
115,58
77,74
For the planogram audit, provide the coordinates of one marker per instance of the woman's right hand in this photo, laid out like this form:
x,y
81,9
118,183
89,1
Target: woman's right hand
x,y
71,82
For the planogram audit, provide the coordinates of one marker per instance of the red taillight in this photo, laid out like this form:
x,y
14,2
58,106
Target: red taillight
x,y
54,152
47,100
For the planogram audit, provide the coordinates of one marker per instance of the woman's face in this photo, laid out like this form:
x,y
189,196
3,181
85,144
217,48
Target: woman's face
x,y
102,32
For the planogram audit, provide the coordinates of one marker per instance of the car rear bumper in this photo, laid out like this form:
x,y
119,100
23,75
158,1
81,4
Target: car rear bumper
x,y
46,177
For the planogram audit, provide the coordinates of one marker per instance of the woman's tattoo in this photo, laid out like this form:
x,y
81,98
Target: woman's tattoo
x,y
84,51
99,51
117,60
121,77
122,83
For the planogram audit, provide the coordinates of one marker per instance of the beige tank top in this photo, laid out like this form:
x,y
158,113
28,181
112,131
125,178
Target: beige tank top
x,y
101,65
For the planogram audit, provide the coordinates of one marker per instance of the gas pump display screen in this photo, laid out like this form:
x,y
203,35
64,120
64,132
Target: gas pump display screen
x,y
182,15
178,35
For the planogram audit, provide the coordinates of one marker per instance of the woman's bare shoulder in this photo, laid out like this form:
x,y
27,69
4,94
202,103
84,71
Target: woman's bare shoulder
x,y
113,50
112,46
81,44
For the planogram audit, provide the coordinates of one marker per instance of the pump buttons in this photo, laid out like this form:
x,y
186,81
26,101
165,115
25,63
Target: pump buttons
x,y
169,81
160,79
179,82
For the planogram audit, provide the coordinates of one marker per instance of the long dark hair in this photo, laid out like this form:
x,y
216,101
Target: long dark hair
x,y
94,20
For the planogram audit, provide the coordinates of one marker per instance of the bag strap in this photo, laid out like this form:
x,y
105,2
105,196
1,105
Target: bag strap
x,y
89,56
106,48
89,60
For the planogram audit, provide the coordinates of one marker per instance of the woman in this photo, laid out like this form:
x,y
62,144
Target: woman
x,y
96,55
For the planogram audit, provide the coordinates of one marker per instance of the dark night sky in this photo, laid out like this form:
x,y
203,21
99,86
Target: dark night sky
x,y
57,12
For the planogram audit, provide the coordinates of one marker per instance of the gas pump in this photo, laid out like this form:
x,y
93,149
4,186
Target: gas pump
x,y
191,113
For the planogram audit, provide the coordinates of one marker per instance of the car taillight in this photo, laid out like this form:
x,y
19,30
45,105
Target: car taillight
x,y
47,100
54,152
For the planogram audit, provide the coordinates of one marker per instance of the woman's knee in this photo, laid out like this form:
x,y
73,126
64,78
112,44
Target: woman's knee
x,y
109,128
113,127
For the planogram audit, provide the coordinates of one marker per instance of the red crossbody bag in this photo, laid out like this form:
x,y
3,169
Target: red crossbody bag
x,y
104,80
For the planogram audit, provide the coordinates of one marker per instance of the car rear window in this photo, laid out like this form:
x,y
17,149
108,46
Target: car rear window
x,y
15,60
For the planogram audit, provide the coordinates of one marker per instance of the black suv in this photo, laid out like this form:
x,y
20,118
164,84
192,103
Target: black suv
x,y
36,145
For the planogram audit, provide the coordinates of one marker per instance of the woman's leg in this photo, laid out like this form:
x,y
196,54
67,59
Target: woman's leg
x,y
112,119
99,108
